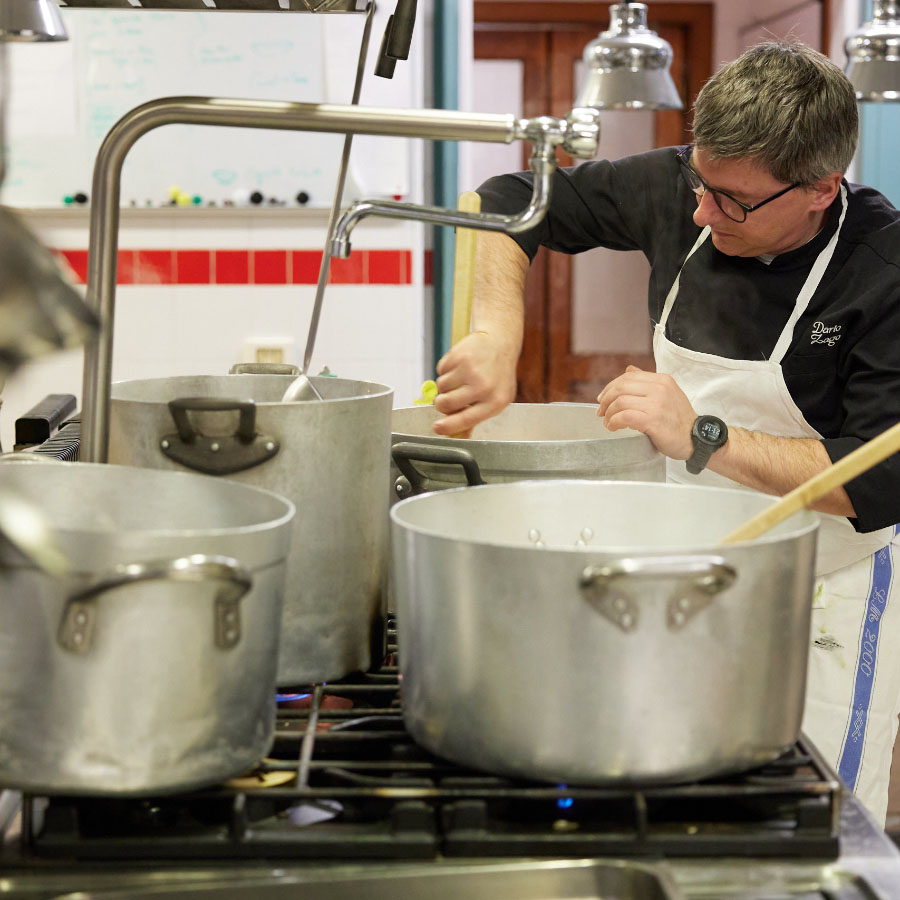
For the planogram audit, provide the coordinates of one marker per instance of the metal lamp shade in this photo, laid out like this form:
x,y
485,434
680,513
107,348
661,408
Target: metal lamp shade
x,y
873,55
628,65
31,20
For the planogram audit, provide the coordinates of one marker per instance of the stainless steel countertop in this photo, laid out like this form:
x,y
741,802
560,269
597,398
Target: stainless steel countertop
x,y
868,858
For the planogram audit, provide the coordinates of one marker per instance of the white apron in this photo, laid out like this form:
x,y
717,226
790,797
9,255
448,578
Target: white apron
x,y
853,688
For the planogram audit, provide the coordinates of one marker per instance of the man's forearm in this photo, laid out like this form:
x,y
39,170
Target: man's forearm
x,y
498,308
776,465
477,375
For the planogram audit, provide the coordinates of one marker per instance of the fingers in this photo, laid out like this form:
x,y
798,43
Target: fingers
x,y
475,381
452,401
651,403
456,392
461,380
635,382
468,377
635,419
628,411
461,423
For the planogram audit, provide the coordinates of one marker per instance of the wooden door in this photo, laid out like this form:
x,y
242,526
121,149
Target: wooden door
x,y
548,38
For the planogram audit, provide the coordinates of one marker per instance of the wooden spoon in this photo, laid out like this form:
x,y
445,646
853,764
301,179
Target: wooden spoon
x,y
860,460
464,277
464,270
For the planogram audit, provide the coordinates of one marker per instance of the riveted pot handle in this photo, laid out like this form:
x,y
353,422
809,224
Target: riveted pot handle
x,y
216,454
76,629
405,452
698,580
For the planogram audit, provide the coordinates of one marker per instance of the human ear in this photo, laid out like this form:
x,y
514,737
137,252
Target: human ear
x,y
823,191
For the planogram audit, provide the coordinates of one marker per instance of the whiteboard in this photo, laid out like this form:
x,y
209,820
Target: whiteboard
x,y
64,97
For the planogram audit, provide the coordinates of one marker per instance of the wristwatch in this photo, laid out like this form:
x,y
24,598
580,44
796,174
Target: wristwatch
x,y
708,434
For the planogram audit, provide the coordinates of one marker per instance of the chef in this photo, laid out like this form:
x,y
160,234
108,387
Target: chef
x,y
774,296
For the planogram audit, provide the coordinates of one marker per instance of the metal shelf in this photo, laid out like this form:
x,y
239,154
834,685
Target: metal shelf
x,y
294,6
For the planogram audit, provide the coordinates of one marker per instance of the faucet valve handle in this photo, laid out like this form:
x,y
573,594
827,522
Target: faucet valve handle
x,y
582,135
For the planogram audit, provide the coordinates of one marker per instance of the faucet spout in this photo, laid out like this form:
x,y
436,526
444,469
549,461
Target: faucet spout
x,y
542,165
578,134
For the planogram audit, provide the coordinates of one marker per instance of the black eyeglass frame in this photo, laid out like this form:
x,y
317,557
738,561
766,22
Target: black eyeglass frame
x,y
684,155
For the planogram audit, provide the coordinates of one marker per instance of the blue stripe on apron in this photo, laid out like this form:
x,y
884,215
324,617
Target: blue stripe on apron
x,y
851,753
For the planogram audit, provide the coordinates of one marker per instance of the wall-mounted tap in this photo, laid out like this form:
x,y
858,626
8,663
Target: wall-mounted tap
x,y
578,134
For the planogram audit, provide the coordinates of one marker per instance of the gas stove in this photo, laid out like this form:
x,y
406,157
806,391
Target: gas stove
x,y
347,802
345,781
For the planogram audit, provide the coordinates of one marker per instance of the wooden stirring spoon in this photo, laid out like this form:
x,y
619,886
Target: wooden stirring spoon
x,y
464,277
860,460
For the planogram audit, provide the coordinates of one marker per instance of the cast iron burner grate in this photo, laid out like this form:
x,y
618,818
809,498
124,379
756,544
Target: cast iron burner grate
x,y
362,789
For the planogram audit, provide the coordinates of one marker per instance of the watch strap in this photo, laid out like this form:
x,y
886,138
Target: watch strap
x,y
697,461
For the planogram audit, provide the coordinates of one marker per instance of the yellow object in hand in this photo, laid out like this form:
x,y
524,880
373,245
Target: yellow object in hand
x,y
429,392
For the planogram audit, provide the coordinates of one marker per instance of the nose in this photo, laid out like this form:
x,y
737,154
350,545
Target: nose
x,y
707,211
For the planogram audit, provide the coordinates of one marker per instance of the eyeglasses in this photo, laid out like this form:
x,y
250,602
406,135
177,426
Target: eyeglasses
x,y
734,209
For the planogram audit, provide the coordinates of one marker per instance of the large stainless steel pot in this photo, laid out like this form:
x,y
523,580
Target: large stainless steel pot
x,y
525,441
330,458
149,664
594,632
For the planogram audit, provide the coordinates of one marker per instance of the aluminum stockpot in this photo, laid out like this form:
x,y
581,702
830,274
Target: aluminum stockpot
x,y
147,665
329,457
525,441
595,632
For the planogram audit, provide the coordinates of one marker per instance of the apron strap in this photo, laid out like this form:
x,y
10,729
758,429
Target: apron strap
x,y
809,288
673,291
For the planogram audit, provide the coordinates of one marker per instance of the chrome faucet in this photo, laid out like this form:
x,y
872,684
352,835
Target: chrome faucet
x,y
578,134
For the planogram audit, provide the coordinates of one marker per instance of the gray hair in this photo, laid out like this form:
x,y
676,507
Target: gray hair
x,y
784,105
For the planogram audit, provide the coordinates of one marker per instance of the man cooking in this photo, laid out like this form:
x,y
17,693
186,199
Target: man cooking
x,y
775,301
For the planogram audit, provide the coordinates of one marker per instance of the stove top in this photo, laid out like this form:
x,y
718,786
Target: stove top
x,y
347,805
344,780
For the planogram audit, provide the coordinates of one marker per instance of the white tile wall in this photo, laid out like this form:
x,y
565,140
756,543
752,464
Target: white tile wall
x,y
375,333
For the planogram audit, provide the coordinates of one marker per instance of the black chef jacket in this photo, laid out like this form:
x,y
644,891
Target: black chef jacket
x,y
843,365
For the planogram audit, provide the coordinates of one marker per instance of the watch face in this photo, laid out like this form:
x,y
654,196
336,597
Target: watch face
x,y
710,430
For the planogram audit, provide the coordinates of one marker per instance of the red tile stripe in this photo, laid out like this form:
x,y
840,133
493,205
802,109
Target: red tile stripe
x,y
251,266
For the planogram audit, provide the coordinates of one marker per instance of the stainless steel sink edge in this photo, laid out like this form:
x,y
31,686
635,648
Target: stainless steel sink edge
x,y
599,879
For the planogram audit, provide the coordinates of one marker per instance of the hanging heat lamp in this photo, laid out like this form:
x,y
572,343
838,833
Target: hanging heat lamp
x,y
628,65
873,55
31,20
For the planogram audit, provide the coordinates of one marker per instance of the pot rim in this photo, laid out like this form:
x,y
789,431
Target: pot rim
x,y
809,518
602,438
381,390
284,517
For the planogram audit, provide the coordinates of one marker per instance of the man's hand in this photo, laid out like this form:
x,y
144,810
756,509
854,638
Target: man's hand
x,y
652,404
476,380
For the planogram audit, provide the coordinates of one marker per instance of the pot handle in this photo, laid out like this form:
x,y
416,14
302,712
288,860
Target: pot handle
x,y
216,454
701,578
76,628
404,452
